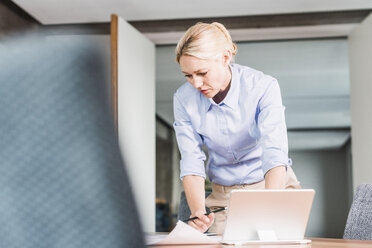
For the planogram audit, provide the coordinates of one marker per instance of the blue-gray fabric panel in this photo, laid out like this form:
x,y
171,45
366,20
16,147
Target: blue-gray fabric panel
x,y
62,180
359,221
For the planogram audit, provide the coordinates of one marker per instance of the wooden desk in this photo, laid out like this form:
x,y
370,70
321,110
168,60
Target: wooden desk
x,y
340,243
316,243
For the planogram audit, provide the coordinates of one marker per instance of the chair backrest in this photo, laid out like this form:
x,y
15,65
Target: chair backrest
x,y
359,221
62,179
184,210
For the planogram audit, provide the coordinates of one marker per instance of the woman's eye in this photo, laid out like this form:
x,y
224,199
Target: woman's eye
x,y
202,73
188,76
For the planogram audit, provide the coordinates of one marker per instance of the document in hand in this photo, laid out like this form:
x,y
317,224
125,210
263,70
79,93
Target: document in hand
x,y
181,234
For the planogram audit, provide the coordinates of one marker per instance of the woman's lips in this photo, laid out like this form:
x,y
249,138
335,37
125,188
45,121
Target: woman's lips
x,y
204,91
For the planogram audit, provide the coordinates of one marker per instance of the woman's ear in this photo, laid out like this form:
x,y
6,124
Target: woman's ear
x,y
226,57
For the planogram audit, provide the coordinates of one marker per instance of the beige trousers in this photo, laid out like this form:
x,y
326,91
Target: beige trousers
x,y
220,198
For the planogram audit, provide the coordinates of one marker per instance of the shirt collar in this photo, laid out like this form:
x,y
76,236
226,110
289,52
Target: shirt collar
x,y
232,97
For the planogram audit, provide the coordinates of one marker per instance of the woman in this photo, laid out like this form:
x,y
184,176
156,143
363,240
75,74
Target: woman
x,y
237,113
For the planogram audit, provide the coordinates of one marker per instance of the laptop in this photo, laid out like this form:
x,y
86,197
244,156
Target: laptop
x,y
268,216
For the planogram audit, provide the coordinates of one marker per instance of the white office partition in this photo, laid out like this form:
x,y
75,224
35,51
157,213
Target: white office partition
x,y
136,116
360,47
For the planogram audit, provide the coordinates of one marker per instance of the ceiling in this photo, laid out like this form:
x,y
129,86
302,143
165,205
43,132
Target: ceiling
x,y
88,11
164,21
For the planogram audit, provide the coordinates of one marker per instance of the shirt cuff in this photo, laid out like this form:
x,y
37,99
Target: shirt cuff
x,y
191,166
274,158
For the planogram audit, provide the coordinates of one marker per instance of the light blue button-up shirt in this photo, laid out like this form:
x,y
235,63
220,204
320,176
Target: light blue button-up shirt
x,y
245,134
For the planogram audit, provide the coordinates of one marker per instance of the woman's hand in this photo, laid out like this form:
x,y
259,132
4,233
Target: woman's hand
x,y
203,222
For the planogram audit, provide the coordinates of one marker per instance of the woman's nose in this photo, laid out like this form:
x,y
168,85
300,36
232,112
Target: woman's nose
x,y
197,82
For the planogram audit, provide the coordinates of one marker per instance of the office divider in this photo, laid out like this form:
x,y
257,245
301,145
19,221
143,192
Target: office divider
x,y
133,101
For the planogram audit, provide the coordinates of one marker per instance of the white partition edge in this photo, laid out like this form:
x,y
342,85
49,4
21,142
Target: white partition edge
x,y
360,51
136,117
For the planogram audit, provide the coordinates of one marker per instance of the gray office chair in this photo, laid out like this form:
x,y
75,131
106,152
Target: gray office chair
x,y
62,180
183,209
359,221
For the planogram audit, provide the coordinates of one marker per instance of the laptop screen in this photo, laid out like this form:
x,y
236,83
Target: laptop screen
x,y
267,215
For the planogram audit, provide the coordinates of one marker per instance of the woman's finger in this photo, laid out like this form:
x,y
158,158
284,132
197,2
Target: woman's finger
x,y
201,224
194,225
211,218
191,223
202,217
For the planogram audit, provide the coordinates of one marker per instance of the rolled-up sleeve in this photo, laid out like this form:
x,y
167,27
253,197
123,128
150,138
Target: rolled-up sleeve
x,y
189,142
272,128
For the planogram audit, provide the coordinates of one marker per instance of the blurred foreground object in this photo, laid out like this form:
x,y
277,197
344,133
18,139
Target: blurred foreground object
x,y
359,221
62,179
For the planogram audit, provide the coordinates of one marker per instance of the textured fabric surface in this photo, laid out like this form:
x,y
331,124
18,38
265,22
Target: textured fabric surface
x,y
62,180
359,221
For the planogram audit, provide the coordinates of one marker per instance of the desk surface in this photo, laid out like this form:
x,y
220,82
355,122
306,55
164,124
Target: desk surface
x,y
316,243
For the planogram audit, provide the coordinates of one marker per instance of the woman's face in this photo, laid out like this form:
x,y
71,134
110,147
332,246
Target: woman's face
x,y
209,76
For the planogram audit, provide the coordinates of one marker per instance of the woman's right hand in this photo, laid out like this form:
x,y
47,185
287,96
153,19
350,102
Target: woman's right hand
x,y
203,222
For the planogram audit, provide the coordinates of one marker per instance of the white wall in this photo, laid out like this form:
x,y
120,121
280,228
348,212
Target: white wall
x,y
136,117
360,48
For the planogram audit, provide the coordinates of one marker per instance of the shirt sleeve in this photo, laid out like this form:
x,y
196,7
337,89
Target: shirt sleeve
x,y
272,128
189,142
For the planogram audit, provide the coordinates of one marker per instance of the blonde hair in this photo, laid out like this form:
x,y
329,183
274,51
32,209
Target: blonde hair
x,y
205,41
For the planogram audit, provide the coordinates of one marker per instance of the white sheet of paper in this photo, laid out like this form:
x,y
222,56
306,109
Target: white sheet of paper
x,y
181,234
